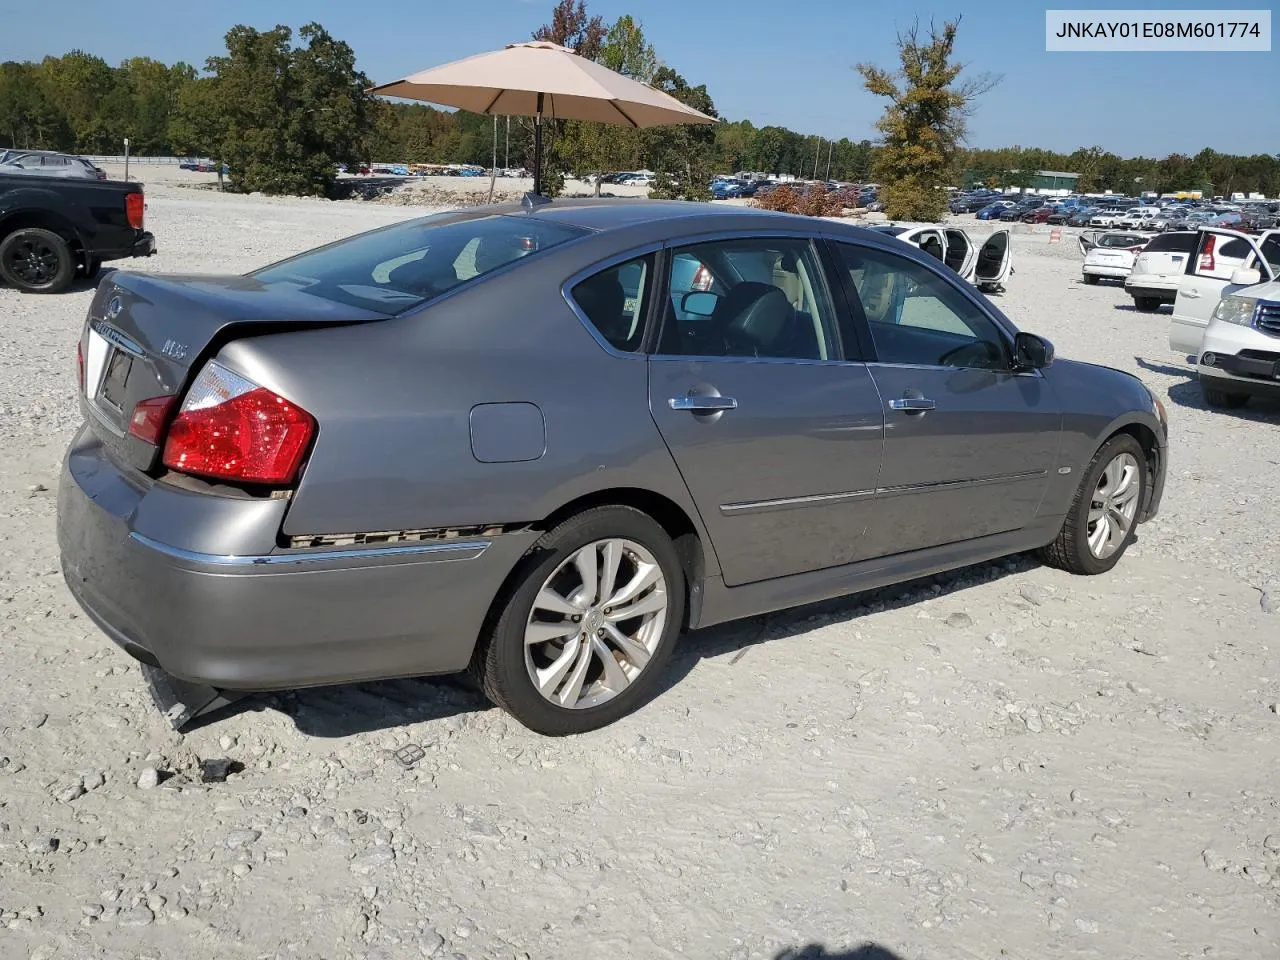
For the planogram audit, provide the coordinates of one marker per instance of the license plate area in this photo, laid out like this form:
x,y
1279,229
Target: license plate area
x,y
112,390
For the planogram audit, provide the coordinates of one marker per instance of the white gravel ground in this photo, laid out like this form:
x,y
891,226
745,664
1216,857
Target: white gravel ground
x,y
1009,762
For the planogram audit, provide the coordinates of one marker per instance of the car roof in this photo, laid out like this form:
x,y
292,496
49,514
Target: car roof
x,y
607,214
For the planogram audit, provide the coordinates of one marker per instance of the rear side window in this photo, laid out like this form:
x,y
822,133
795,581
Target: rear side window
x,y
614,302
400,267
1235,248
1171,243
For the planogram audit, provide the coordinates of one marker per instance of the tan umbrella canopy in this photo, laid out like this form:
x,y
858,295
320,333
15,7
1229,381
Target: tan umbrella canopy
x,y
538,79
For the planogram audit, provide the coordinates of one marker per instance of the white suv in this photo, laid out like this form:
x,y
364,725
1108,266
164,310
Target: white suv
x,y
1231,323
1158,270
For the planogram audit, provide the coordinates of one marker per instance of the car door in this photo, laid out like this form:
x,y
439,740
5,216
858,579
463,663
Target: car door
x,y
777,435
961,253
1207,280
969,444
994,259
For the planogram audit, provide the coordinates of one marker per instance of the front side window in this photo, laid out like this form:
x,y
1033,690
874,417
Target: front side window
x,y
916,317
400,267
614,302
757,297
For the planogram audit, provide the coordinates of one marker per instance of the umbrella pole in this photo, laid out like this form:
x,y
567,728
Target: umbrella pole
x,y
537,149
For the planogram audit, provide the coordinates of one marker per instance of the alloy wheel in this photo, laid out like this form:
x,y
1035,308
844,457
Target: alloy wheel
x,y
34,261
1114,505
596,623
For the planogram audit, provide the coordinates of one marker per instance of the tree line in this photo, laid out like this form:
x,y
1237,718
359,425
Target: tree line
x,y
281,111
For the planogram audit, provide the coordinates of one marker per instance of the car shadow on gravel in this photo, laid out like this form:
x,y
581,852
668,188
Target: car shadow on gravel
x,y
1188,394
816,951
739,636
349,709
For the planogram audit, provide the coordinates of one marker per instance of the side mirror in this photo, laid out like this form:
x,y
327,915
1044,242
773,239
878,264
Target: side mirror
x,y
1245,277
699,303
1031,352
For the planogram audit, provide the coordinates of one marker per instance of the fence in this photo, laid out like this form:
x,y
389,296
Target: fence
x,y
140,161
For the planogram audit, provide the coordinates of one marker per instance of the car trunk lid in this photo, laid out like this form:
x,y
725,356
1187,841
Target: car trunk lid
x,y
147,335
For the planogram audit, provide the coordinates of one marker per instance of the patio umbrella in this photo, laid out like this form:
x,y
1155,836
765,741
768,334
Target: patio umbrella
x,y
540,79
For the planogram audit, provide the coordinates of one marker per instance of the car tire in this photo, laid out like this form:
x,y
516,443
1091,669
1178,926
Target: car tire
x,y
1222,399
1090,278
506,661
56,266
1074,550
1146,304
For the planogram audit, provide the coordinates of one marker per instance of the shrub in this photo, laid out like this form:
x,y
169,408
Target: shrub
x,y
812,201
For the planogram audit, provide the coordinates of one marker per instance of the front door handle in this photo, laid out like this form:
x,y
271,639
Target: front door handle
x,y
1190,294
912,404
702,403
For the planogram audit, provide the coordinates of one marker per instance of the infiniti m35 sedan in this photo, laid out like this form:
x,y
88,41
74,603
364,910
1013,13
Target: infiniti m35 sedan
x,y
537,442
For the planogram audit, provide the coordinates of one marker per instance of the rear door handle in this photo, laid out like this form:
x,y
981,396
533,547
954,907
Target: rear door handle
x,y
701,403
912,404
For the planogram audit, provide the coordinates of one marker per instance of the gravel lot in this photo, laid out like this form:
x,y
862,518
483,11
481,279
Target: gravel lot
x,y
1004,762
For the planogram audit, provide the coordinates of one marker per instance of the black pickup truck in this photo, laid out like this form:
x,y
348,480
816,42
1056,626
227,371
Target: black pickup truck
x,y
54,229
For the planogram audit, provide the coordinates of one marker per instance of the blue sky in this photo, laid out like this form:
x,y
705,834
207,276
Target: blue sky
x,y
768,62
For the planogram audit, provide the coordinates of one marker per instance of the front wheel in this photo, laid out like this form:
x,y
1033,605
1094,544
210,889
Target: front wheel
x,y
1147,304
1103,515
587,624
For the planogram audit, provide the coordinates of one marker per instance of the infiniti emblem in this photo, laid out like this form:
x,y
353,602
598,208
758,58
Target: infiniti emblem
x,y
113,308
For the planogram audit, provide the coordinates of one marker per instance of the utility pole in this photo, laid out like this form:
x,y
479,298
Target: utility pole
x,y
493,169
817,151
830,144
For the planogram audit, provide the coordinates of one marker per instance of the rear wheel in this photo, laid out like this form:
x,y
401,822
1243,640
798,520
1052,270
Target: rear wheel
x,y
1091,278
36,261
1100,524
1223,400
591,618
1147,304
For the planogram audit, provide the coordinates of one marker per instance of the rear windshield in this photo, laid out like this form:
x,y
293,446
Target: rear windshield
x,y
400,267
1119,240
1171,243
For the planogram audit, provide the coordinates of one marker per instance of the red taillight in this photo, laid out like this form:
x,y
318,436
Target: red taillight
x,y
134,208
149,418
229,428
702,280
80,366
1206,253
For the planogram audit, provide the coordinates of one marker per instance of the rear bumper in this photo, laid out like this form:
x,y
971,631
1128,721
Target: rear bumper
x,y
144,245
1096,270
1156,289
194,584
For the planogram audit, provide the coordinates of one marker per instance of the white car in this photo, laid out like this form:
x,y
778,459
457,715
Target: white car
x,y
1158,270
1231,325
1111,256
986,266
1105,218
1136,218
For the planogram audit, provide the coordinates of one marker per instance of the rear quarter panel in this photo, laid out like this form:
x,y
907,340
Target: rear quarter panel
x,y
1096,403
393,401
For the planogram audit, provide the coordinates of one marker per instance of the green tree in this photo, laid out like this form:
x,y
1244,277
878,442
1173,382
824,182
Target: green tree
x,y
924,123
282,116
569,27
683,156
